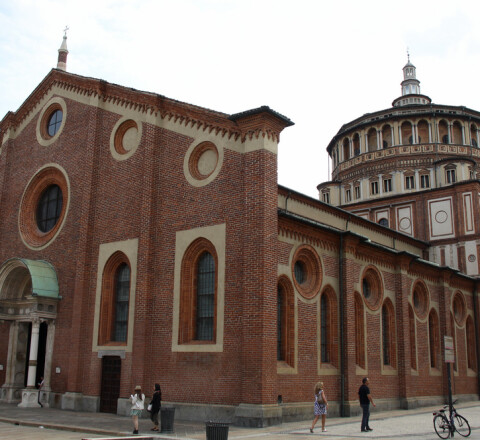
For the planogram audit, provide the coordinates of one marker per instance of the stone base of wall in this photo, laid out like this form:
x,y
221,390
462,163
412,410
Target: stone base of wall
x,y
249,415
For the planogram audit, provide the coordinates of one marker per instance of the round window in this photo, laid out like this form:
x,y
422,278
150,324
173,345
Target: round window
x,y
372,288
54,122
307,271
43,207
49,208
420,299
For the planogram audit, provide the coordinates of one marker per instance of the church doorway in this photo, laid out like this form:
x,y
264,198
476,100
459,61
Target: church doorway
x,y
110,391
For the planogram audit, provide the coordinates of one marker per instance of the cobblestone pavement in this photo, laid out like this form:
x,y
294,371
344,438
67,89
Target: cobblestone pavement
x,y
52,424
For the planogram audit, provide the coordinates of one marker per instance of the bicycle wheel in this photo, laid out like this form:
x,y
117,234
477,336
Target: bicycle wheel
x,y
462,426
441,425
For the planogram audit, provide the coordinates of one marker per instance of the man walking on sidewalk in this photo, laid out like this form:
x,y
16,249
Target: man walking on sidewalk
x,y
365,398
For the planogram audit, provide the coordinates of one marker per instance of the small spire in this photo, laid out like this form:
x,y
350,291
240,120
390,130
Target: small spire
x,y
63,52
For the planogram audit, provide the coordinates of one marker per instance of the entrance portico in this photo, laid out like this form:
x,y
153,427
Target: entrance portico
x,y
28,302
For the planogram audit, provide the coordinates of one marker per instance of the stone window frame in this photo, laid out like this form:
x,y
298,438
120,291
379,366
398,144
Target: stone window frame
x,y
54,104
192,160
216,235
122,126
106,251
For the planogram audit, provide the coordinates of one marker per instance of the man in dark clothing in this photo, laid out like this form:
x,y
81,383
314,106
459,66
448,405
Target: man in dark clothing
x,y
365,398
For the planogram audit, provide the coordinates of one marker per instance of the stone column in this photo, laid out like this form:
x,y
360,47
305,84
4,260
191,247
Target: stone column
x,y
30,394
32,362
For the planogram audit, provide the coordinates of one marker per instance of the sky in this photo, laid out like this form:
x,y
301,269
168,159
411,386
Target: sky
x,y
320,63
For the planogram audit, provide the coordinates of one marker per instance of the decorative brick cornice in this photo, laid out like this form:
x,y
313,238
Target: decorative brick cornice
x,y
253,123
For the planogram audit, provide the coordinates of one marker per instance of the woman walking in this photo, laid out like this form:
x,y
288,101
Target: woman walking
x,y
156,405
320,406
138,405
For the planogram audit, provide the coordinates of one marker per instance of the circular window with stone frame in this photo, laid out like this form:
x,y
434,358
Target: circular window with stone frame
x,y
307,271
44,206
420,299
125,138
202,163
51,121
459,308
372,288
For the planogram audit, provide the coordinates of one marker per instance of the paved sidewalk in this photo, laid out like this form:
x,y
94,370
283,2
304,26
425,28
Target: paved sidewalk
x,y
48,423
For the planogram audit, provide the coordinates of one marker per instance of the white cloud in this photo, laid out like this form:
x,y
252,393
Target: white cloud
x,y
321,64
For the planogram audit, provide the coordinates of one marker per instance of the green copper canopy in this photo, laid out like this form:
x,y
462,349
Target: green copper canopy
x,y
44,278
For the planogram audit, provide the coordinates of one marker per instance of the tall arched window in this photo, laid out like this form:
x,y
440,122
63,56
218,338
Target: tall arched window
x,y
324,330
388,334
387,136
407,135
471,352
433,339
205,297
346,149
328,327
285,321
122,293
372,139
198,293
114,304
413,339
423,132
359,332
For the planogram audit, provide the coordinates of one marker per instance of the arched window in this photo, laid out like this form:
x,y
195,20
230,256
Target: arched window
x,y
372,139
324,330
346,149
328,327
423,132
356,144
285,322
471,352
388,334
443,132
205,297
122,293
359,332
387,136
433,339
114,304
473,135
407,135
413,339
198,293
457,133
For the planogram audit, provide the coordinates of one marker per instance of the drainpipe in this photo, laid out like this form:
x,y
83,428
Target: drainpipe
x,y
477,335
342,339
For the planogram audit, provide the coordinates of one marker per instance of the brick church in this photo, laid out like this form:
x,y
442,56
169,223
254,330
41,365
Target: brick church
x,y
147,240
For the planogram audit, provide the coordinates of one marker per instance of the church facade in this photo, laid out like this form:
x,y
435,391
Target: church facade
x,y
147,240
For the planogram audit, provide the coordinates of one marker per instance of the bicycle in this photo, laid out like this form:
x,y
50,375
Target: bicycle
x,y
445,427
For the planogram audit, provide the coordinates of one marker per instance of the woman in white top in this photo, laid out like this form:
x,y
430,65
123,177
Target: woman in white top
x,y
138,405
